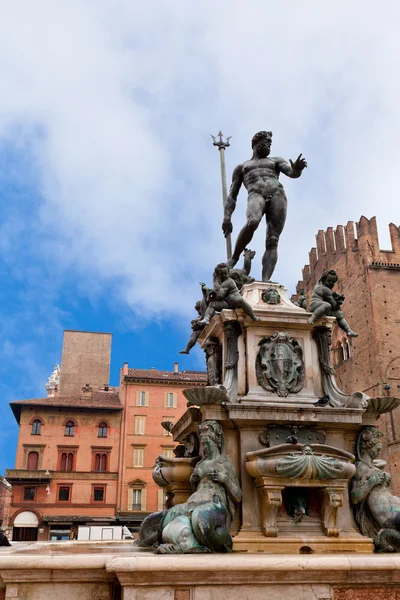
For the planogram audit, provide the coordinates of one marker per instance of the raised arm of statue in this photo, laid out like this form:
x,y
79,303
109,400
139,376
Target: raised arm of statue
x,y
230,204
294,169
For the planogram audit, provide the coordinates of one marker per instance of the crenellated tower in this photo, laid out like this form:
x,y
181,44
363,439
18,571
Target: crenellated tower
x,y
369,277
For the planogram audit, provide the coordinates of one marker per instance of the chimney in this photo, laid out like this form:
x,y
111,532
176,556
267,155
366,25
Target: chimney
x,y
125,368
176,367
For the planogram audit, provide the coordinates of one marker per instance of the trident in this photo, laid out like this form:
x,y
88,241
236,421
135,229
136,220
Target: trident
x,y
221,145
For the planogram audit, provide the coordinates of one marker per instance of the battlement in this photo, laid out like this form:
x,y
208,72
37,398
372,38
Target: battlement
x,y
361,238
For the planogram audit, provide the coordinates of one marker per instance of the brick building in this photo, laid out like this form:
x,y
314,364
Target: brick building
x,y
5,501
369,277
86,452
66,469
148,398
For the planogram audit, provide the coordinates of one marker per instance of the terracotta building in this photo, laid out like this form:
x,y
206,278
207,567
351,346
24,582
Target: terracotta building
x,y
66,469
5,500
149,397
369,277
86,452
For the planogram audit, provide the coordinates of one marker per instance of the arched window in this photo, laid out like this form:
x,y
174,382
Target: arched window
x,y
67,461
100,462
36,427
33,460
69,428
102,430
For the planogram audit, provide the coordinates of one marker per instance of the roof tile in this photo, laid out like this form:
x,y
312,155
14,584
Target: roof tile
x,y
168,376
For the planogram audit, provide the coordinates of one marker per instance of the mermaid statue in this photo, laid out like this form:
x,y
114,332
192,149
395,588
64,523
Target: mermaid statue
x,y
376,510
202,523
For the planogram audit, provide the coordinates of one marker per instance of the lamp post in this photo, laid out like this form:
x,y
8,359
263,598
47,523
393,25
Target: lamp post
x,y
221,145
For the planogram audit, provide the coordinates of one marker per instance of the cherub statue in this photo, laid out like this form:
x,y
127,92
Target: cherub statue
x,y
242,276
201,307
225,294
376,510
324,302
202,523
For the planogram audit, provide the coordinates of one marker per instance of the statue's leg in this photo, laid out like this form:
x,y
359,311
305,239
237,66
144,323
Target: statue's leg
x,y
192,341
254,213
275,215
247,309
212,308
322,309
343,324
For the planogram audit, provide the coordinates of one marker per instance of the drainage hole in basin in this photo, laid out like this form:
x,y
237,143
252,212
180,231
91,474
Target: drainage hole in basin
x,y
306,550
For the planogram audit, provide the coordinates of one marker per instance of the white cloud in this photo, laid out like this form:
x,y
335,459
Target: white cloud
x,y
114,103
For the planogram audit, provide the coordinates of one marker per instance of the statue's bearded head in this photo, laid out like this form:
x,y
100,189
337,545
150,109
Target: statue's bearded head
x,y
261,143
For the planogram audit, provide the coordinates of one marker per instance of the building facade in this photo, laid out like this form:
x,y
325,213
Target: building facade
x,y
149,397
5,501
86,452
369,277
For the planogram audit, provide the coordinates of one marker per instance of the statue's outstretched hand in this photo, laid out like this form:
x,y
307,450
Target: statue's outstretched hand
x,y
299,164
227,227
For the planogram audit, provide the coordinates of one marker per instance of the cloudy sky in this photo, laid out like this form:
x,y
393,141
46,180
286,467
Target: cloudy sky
x,y
109,183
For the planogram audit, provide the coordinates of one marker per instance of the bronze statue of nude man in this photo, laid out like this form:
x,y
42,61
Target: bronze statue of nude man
x,y
260,176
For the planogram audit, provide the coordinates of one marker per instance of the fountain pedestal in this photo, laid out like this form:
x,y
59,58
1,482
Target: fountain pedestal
x,y
282,399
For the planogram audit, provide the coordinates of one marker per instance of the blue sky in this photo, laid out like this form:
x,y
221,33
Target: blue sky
x,y
109,183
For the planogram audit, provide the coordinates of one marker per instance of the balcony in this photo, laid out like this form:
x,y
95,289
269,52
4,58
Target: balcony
x,y
28,475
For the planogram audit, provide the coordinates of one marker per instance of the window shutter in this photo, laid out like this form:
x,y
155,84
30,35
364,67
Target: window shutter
x,y
143,506
160,499
175,404
130,498
147,398
166,399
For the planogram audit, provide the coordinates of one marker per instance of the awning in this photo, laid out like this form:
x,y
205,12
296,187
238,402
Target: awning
x,y
26,518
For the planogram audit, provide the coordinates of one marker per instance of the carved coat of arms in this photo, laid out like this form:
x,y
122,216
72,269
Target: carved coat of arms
x,y
279,364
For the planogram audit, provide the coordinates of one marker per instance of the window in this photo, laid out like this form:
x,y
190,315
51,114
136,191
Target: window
x,y
170,400
140,425
29,493
170,419
161,494
138,457
168,452
36,427
67,461
64,493
33,461
100,461
98,494
137,500
142,398
60,533
102,431
69,428
137,495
